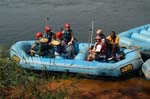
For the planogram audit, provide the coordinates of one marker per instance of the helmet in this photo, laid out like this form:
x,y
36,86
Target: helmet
x,y
67,25
47,29
99,31
59,34
38,35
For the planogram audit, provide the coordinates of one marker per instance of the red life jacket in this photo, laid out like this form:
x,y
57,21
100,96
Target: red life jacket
x,y
103,49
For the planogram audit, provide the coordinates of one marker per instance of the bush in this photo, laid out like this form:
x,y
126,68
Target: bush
x,y
13,77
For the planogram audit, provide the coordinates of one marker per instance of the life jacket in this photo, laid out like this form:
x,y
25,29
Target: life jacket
x,y
42,49
48,36
60,49
102,54
103,38
103,48
67,35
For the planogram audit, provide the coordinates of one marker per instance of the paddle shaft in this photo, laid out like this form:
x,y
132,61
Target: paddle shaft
x,y
92,31
47,19
133,50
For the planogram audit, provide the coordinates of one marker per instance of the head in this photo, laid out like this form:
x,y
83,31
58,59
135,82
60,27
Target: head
x,y
38,35
98,38
59,35
99,32
47,29
113,34
67,26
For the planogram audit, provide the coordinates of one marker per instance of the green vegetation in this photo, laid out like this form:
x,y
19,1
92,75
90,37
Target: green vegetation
x,y
30,84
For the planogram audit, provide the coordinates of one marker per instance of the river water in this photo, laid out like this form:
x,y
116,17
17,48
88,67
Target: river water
x,y
21,19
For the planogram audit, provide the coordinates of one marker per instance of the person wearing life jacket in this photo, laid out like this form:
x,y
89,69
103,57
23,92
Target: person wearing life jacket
x,y
68,34
113,44
68,37
60,44
97,51
104,41
40,47
48,33
101,34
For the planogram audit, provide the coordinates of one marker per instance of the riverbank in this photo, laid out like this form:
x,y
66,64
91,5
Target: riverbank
x,y
83,89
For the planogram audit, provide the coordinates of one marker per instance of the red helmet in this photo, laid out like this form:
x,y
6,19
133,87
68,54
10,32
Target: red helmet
x,y
59,34
38,35
47,29
67,25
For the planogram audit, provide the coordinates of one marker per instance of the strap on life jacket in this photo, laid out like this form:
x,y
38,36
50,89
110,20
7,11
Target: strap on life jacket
x,y
43,48
67,35
103,49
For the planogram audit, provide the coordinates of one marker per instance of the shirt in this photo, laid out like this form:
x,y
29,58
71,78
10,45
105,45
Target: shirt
x,y
111,40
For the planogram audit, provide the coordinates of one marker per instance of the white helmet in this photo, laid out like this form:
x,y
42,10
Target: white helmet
x,y
99,31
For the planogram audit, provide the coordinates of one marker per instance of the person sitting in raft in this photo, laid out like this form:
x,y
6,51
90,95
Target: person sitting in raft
x,y
101,34
60,44
103,41
40,47
113,45
97,52
49,34
68,37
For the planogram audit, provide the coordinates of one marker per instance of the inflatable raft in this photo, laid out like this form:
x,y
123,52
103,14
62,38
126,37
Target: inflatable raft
x,y
131,62
146,69
139,36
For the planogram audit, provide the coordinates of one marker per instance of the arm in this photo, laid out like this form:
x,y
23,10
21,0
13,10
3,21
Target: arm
x,y
32,51
117,40
108,38
72,39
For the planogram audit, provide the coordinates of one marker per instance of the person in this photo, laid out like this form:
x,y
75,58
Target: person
x,y
97,51
68,37
68,34
60,44
48,34
40,47
113,44
100,33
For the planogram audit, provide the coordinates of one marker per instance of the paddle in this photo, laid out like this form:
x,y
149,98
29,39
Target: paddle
x,y
89,38
91,34
47,19
92,31
134,49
